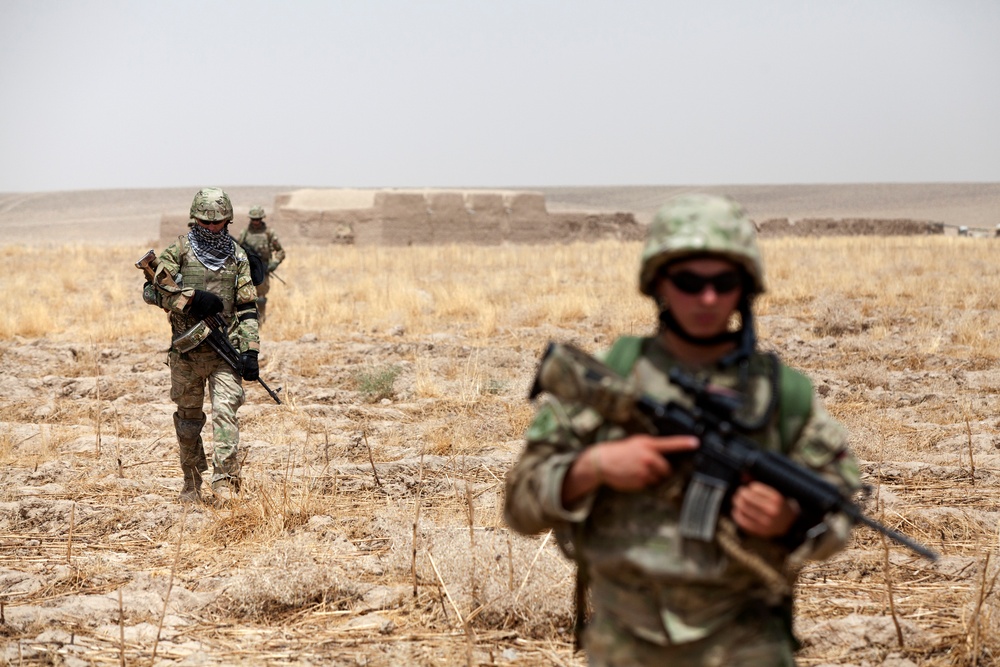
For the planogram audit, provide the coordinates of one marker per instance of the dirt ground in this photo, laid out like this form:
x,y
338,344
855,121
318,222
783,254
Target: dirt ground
x,y
99,564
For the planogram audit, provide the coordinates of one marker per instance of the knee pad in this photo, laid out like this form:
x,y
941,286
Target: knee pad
x,y
188,430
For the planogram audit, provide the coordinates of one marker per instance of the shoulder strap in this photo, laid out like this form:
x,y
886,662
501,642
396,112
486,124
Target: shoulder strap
x,y
624,353
795,404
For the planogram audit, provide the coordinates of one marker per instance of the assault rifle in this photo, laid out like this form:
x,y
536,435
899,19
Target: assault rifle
x,y
211,330
724,457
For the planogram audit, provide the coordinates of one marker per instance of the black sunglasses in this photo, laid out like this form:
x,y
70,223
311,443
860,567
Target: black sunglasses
x,y
692,283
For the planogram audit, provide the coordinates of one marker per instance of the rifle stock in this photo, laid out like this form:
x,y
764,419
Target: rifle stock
x,y
724,457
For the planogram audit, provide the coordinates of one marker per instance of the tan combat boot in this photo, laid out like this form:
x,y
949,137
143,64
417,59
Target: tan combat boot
x,y
226,488
191,493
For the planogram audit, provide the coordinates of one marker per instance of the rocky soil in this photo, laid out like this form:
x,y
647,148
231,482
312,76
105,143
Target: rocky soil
x,y
369,530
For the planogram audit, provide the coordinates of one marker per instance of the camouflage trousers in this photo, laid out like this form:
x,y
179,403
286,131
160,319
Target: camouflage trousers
x,y
189,374
754,640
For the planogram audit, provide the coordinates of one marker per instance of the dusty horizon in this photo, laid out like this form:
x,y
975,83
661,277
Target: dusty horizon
x,y
126,216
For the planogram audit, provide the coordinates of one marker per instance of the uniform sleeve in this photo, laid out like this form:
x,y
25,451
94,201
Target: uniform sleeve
x,y
277,251
247,328
823,447
533,498
172,297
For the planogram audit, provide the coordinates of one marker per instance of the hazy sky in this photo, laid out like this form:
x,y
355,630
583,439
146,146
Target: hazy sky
x,y
130,93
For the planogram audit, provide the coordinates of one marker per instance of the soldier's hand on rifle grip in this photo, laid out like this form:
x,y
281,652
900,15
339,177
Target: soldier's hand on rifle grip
x,y
629,464
204,304
251,370
149,294
760,510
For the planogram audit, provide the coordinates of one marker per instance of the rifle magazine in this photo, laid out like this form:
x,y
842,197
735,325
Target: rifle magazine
x,y
702,504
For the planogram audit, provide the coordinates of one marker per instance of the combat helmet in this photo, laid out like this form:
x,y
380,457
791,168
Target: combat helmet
x,y
212,205
257,213
697,224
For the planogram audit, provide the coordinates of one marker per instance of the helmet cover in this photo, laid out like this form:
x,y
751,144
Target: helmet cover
x,y
700,225
212,205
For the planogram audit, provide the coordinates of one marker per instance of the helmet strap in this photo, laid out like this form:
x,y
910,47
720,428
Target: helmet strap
x,y
668,321
745,337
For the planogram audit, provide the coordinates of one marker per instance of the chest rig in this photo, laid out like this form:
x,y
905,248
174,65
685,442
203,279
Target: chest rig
x,y
194,274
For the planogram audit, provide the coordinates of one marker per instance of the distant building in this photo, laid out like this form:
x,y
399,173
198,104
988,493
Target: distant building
x,y
427,217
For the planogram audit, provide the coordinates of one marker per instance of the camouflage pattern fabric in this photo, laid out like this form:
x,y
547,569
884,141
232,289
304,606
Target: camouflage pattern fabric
x,y
662,589
700,224
211,205
231,283
265,243
191,371
753,640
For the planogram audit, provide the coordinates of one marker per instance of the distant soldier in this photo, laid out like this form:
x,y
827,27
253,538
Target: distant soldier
x,y
205,273
263,241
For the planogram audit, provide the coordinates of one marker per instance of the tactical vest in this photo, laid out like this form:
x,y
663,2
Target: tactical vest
x,y
194,274
789,403
793,388
259,241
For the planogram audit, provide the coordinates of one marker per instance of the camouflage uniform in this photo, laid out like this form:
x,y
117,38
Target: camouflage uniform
x,y
191,370
659,598
264,241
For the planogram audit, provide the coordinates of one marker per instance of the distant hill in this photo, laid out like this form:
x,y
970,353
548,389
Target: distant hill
x,y
133,215
970,204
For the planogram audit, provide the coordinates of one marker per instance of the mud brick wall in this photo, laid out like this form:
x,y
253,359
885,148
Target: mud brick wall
x,y
777,227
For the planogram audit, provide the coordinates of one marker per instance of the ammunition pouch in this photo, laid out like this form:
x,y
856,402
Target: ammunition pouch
x,y
191,338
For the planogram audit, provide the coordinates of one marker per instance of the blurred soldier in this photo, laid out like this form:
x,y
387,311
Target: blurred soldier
x,y
263,241
201,274
614,498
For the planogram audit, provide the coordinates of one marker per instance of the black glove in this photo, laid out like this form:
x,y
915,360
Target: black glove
x,y
251,371
204,304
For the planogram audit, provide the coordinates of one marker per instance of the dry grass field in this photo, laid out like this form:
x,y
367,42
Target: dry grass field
x,y
370,530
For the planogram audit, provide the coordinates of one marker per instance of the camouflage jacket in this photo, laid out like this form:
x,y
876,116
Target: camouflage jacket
x,y
265,243
231,283
665,588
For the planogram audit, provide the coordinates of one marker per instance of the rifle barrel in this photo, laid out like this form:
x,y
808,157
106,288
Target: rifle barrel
x,y
859,517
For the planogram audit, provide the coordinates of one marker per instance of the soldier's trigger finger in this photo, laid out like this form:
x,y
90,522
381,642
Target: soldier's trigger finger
x,y
675,444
